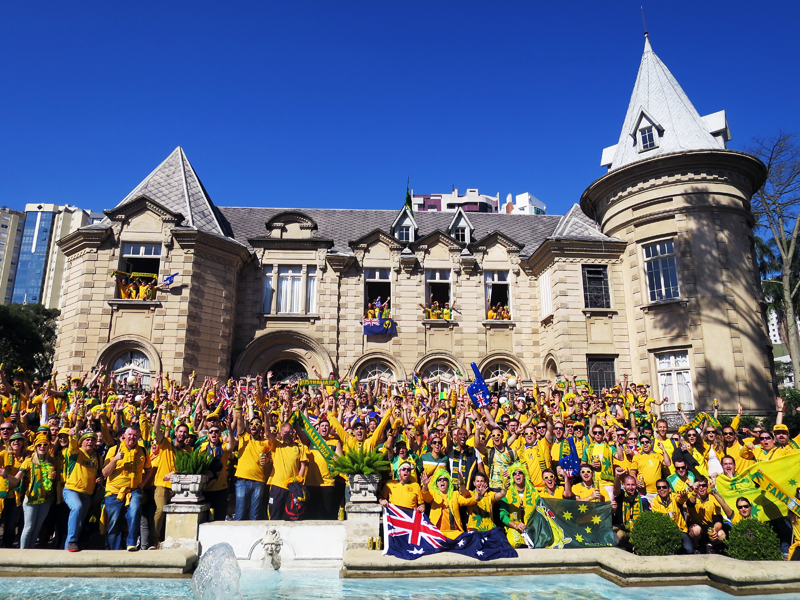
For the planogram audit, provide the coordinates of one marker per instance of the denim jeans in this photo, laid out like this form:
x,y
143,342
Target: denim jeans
x,y
78,507
133,516
249,498
35,515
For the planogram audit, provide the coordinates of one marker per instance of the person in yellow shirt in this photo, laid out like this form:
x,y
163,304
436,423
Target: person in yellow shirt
x,y
127,470
704,517
670,504
766,451
289,465
551,489
11,460
163,458
534,452
216,490
250,481
359,440
40,483
446,502
402,491
647,465
587,490
480,513
81,477
323,498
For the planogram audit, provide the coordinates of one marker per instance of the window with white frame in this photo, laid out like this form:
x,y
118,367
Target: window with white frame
x,y
647,138
371,371
662,270
674,380
377,288
141,260
128,367
545,294
404,230
290,289
437,286
497,289
460,234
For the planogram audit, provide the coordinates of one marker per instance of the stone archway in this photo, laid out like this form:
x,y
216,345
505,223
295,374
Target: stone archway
x,y
130,345
272,348
504,361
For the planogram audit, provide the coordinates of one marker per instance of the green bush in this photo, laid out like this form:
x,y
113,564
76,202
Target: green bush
x,y
655,534
192,463
751,539
360,462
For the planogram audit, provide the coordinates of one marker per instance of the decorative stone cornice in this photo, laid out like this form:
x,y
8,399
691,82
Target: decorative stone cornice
x,y
693,167
601,252
339,262
123,212
216,246
83,239
272,243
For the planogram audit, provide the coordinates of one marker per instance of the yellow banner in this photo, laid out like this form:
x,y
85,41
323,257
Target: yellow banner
x,y
782,473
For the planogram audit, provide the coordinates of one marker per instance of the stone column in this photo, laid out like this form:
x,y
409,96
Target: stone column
x,y
183,526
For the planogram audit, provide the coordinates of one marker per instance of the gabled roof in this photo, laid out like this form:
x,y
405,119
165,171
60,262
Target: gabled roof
x,y
460,213
575,225
658,94
405,211
175,186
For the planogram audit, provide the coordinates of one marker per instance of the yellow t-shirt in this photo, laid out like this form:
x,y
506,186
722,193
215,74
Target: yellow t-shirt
x,y
286,459
671,509
221,482
128,472
558,493
407,495
163,458
318,473
533,458
649,467
702,513
581,491
250,451
480,514
81,469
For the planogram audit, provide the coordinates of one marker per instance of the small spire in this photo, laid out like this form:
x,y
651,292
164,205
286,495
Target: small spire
x,y
646,36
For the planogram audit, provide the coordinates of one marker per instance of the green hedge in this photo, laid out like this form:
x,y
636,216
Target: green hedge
x,y
753,540
655,534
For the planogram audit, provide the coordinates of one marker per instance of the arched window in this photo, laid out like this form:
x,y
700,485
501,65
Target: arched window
x,y
129,366
495,371
372,370
284,371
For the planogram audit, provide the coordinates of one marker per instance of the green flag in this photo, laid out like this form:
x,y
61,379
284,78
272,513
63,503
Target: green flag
x,y
317,441
409,205
569,524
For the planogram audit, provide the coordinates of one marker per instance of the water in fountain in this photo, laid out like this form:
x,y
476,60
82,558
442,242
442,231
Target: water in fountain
x,y
217,575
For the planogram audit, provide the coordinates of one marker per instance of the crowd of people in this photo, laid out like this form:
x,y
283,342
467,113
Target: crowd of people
x,y
89,460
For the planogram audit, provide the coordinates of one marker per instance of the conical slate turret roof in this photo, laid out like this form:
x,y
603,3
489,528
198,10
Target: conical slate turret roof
x,y
175,185
659,101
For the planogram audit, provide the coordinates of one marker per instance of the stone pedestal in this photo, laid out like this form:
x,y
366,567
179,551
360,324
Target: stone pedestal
x,y
363,522
183,526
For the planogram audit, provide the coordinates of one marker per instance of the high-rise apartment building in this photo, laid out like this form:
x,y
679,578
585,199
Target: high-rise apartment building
x,y
40,266
11,222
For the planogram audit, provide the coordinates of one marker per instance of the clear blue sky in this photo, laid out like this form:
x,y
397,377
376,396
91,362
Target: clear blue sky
x,y
335,104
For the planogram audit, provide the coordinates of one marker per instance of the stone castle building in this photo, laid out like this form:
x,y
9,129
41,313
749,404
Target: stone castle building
x,y
651,275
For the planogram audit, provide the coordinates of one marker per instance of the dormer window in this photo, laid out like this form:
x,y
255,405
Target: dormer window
x,y
647,138
403,233
460,234
460,227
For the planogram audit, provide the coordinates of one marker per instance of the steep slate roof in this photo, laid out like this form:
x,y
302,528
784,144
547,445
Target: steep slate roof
x,y
343,226
575,225
175,185
658,93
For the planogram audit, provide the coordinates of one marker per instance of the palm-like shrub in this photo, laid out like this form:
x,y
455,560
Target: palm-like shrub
x,y
360,462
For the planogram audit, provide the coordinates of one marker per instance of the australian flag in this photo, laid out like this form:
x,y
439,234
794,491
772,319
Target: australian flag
x,y
409,534
379,326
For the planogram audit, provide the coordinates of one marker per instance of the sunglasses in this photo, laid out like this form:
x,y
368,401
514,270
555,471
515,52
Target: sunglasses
x,y
436,443
682,467
405,469
662,487
586,472
213,431
529,433
688,435
728,433
598,432
765,437
711,432
558,428
702,485
548,478
741,506
6,429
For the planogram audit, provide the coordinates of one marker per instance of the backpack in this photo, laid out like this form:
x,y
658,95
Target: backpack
x,y
295,501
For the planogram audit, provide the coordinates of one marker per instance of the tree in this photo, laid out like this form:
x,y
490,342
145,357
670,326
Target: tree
x,y
776,207
27,338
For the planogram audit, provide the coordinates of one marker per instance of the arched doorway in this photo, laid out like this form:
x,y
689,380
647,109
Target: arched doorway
x,y
285,371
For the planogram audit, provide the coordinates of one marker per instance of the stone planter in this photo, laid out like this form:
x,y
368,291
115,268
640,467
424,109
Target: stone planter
x,y
364,488
188,489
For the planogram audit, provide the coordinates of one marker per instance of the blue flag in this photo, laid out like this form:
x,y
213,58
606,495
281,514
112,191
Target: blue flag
x,y
379,326
571,463
409,534
169,279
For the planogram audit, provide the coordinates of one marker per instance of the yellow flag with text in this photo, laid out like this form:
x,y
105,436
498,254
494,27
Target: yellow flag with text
x,y
758,484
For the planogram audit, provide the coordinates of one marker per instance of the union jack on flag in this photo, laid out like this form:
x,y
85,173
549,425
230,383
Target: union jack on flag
x,y
373,322
411,532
